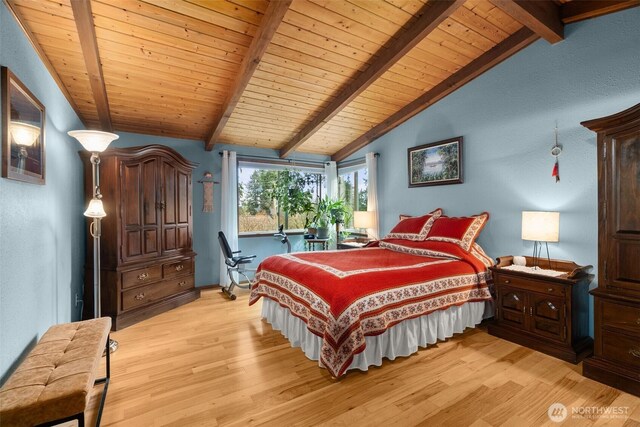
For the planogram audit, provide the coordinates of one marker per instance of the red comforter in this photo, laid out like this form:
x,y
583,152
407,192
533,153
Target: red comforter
x,y
344,296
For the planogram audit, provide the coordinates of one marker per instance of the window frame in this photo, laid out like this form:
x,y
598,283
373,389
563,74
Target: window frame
x,y
276,164
343,169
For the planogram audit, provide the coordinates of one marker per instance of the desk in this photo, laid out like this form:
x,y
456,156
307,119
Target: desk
x,y
311,244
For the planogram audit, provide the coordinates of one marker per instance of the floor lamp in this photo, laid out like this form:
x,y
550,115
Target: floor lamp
x,y
96,142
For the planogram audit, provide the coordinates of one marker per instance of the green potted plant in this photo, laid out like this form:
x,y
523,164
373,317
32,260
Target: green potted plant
x,y
330,212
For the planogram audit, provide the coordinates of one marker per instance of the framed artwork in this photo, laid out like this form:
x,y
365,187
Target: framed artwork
x,y
438,163
23,155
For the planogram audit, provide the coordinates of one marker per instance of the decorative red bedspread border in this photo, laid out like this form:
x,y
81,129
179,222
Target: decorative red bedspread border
x,y
344,296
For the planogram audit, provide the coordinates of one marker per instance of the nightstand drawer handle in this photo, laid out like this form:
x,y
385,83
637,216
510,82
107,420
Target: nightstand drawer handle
x,y
515,297
139,297
506,282
635,352
550,290
638,321
143,276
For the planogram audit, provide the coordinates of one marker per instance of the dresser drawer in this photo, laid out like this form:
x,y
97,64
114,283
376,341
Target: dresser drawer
x,y
530,284
154,292
620,316
621,348
177,268
141,276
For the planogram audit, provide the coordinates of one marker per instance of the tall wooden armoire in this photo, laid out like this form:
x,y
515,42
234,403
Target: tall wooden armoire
x,y
616,359
147,258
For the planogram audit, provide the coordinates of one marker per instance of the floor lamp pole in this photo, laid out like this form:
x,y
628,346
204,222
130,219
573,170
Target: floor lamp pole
x,y
96,142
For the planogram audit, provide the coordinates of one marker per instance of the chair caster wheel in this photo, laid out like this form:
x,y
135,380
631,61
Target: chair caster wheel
x,y
232,297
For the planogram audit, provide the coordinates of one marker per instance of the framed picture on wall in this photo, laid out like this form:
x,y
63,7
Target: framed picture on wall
x,y
23,155
437,163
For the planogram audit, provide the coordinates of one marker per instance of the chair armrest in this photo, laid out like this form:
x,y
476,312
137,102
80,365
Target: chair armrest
x,y
235,252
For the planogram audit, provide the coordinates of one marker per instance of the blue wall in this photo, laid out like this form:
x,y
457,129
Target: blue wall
x,y
206,225
41,226
507,117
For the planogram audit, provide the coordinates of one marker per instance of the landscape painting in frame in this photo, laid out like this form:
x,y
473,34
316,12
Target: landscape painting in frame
x,y
438,163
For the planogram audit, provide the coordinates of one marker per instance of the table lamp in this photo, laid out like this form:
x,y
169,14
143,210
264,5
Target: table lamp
x,y
540,227
363,219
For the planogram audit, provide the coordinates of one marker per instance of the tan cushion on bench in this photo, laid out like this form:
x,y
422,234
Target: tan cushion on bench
x,y
56,378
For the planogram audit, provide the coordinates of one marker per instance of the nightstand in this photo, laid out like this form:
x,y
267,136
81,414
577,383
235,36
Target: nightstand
x,y
548,314
353,244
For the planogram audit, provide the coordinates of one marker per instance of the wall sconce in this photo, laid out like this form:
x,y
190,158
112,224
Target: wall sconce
x,y
540,227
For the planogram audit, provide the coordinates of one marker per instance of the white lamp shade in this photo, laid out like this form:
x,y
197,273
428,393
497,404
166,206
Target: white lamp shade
x,y
94,141
540,226
363,219
24,134
95,209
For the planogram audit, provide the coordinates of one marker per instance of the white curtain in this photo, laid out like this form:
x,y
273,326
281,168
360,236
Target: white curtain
x,y
228,208
331,173
372,193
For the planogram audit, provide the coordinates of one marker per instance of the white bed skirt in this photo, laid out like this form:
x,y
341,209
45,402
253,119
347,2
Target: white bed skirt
x,y
400,340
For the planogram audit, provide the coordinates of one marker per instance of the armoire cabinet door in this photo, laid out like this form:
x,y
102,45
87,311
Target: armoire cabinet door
x,y
622,269
140,220
175,212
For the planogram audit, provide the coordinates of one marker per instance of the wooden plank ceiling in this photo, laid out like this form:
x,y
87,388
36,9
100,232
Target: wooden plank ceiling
x,y
316,76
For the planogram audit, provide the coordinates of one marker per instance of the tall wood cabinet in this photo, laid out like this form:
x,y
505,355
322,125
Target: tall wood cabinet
x,y
616,359
147,258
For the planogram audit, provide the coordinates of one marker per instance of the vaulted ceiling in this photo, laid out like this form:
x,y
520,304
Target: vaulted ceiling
x,y
316,76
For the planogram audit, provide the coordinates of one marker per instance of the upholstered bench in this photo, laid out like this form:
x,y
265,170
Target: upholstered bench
x,y
53,384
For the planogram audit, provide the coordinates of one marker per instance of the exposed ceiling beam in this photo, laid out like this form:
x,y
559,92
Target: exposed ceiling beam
x,y
87,33
541,16
575,11
489,59
432,14
268,26
43,57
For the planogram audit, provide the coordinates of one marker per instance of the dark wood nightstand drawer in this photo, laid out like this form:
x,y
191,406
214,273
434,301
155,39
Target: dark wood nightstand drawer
x,y
530,284
620,316
621,348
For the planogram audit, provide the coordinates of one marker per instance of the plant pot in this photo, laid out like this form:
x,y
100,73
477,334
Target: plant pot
x,y
312,230
323,233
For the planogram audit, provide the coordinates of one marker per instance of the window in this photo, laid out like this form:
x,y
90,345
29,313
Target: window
x,y
271,194
352,187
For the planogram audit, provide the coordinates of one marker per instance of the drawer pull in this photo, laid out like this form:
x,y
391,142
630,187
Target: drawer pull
x,y
515,297
551,306
550,290
638,321
139,297
183,283
179,267
506,282
635,352
143,276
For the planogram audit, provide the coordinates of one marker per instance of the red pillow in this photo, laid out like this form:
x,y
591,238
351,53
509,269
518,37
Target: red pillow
x,y
414,228
463,231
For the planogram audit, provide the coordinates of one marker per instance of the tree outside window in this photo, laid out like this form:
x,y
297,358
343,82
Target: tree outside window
x,y
270,197
352,187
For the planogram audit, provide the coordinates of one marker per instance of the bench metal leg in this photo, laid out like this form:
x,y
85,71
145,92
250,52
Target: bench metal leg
x,y
104,380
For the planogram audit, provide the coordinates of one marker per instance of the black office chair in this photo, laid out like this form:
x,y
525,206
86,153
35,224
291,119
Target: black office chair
x,y
235,264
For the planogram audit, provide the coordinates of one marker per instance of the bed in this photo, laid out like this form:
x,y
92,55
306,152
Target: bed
x,y
350,309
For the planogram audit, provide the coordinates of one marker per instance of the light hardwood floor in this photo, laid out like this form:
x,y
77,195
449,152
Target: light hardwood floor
x,y
215,362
